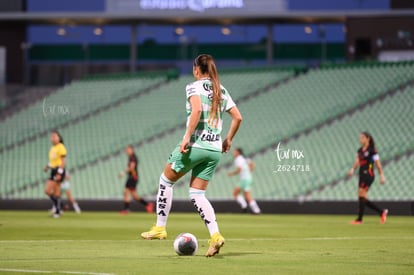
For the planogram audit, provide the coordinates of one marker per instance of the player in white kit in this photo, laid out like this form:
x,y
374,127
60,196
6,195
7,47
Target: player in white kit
x,y
244,168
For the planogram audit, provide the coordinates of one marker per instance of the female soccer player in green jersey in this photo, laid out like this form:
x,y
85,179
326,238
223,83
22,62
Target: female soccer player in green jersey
x,y
200,149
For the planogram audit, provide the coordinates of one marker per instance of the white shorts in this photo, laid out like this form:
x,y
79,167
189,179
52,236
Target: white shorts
x,y
65,186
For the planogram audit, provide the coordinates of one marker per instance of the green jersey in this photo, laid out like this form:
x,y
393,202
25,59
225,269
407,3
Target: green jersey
x,y
207,136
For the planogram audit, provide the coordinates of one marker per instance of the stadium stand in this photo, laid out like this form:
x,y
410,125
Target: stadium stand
x,y
276,107
330,152
70,103
14,97
106,133
399,185
314,98
325,100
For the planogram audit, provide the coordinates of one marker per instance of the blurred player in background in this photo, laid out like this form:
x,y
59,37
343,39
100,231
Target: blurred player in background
x,y
57,162
244,168
367,155
200,150
132,182
65,188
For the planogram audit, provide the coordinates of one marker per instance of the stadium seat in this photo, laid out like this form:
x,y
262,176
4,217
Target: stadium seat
x,y
269,117
136,120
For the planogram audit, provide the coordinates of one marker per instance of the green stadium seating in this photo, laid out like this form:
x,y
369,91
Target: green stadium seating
x,y
69,103
299,104
313,98
399,185
137,120
330,152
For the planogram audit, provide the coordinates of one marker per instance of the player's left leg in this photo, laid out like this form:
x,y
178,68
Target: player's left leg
x,y
205,209
202,204
202,173
364,185
373,206
72,201
362,194
58,202
149,206
247,186
49,191
383,213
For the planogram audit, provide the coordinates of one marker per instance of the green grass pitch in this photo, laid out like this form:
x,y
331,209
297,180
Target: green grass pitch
x,y
107,243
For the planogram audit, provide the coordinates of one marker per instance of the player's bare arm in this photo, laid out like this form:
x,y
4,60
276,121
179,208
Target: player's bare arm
x,y
195,102
234,127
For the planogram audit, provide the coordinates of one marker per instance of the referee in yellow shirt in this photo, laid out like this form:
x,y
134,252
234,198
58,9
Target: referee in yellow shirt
x,y
57,162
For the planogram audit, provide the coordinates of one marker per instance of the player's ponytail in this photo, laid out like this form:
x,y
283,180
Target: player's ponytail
x,y
371,143
216,101
207,66
59,135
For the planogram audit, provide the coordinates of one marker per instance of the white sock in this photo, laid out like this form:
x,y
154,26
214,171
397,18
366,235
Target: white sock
x,y
240,200
164,200
205,209
254,207
76,207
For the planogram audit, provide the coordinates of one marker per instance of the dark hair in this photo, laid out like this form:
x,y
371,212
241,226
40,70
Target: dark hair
x,y
59,135
207,66
371,139
240,150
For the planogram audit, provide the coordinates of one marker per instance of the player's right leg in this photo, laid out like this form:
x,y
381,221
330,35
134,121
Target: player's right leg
x,y
72,201
254,207
127,201
163,203
240,199
384,215
53,193
362,196
49,188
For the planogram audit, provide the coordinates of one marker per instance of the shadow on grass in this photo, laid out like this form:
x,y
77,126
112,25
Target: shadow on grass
x,y
239,253
218,256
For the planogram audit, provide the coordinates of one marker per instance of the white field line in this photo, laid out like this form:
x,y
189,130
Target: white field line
x,y
228,239
50,272
231,239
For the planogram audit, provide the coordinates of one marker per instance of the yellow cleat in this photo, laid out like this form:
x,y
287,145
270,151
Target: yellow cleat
x,y
216,242
155,233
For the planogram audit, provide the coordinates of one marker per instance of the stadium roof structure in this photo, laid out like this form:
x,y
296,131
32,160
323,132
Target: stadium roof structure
x,y
220,17
191,17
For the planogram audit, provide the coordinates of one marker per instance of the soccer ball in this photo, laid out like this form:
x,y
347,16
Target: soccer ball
x,y
186,244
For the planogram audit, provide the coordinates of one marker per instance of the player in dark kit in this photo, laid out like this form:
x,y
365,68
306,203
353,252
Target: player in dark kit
x,y
132,182
367,155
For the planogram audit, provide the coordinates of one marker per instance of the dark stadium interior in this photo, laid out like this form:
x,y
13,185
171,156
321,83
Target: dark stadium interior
x,y
315,74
